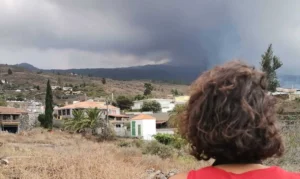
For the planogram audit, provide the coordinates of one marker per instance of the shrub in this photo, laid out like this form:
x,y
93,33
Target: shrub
x,y
41,119
138,143
156,148
170,139
166,139
124,144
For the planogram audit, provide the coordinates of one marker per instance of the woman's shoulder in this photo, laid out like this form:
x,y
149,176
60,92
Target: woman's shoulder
x,y
192,173
272,172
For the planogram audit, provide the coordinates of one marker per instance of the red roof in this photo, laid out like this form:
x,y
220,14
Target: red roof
x,y
9,110
88,105
143,117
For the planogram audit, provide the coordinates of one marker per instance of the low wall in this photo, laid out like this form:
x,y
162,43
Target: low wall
x,y
165,131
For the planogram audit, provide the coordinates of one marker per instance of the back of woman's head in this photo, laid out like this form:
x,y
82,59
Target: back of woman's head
x,y
231,116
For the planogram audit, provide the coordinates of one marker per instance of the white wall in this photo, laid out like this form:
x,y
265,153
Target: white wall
x,y
166,104
165,131
137,105
148,128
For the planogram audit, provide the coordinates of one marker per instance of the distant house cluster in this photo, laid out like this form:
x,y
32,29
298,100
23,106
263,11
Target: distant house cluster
x,y
67,90
166,104
287,93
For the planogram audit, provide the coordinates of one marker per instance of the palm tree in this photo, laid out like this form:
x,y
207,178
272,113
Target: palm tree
x,y
175,115
74,123
82,122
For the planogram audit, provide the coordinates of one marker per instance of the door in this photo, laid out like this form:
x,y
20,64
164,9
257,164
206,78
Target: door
x,y
139,130
133,128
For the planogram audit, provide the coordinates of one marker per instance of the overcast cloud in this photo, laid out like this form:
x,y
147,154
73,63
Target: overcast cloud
x,y
120,33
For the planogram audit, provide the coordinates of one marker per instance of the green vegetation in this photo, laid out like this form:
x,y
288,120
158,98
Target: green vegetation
x,y
89,120
103,80
49,107
156,148
269,64
175,92
80,123
3,101
41,119
148,89
139,97
175,115
10,72
124,102
172,140
151,106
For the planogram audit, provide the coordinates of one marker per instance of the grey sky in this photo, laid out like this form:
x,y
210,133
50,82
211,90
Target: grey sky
x,y
119,33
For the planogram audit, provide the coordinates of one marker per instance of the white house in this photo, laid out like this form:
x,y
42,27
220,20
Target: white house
x,y
166,104
181,99
67,111
55,87
67,89
143,126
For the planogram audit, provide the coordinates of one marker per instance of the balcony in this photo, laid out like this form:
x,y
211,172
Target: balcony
x,y
9,122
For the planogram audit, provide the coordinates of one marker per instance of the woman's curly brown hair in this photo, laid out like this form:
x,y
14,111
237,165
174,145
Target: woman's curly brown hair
x,y
231,116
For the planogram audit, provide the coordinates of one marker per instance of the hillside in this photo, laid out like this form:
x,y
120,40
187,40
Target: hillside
x,y
165,73
26,81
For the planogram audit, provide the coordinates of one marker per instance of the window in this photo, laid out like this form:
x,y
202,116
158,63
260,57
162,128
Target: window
x,y
6,117
118,125
59,112
68,112
64,112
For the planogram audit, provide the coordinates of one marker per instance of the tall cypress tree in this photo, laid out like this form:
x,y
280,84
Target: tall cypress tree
x,y
49,107
269,64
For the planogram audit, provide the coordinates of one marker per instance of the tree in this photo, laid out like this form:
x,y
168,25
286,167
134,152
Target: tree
x,y
139,97
124,102
269,64
91,121
41,119
59,82
151,106
49,107
148,89
103,80
9,71
175,92
175,115
3,101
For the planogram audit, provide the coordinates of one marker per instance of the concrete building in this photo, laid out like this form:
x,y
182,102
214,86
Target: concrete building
x,y
120,124
166,104
181,99
13,119
143,126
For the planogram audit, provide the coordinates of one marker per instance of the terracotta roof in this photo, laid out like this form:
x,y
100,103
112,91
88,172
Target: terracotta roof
x,y
143,117
88,105
10,110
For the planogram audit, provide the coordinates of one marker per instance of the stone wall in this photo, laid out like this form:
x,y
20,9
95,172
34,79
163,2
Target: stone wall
x,y
24,123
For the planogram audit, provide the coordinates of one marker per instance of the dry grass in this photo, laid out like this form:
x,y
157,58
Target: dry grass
x,y
39,154
58,155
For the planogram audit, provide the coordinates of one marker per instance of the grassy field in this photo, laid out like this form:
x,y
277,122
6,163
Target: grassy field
x,y
58,155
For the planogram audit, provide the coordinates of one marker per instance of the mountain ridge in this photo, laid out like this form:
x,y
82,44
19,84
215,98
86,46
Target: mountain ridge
x,y
164,73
